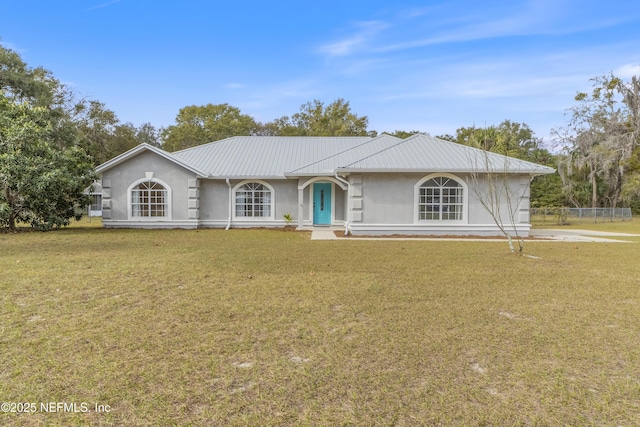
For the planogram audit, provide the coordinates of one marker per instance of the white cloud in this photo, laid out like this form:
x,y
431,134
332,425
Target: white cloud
x,y
627,71
12,46
442,24
105,4
366,31
343,47
277,99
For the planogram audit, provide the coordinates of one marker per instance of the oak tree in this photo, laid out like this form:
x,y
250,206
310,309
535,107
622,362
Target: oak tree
x,y
314,119
43,170
197,125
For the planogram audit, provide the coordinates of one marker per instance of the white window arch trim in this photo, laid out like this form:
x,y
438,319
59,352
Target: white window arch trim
x,y
168,198
272,201
465,200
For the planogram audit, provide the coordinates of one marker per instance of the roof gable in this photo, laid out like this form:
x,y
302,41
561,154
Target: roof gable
x,y
143,148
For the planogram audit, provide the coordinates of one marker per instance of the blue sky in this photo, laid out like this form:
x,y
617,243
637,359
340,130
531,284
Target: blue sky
x,y
432,66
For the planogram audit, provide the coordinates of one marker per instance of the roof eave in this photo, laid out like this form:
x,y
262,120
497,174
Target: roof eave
x,y
243,177
441,170
296,174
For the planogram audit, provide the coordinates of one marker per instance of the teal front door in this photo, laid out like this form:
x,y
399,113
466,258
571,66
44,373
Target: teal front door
x,y
322,203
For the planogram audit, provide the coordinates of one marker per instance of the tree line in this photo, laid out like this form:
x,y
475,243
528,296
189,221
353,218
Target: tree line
x,y
51,140
600,162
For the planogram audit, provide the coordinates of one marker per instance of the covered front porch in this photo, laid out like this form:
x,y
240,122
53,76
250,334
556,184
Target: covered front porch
x,y
322,203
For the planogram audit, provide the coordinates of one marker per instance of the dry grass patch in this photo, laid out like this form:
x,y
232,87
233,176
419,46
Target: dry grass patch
x,y
258,327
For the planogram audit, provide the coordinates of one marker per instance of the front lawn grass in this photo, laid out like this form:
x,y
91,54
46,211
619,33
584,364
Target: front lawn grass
x,y
268,328
617,226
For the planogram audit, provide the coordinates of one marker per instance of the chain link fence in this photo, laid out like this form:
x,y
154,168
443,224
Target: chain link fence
x,y
579,215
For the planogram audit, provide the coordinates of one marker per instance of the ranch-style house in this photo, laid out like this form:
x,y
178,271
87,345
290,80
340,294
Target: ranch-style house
x,y
363,185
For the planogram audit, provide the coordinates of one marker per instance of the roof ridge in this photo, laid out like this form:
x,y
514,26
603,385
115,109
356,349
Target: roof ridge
x,y
467,150
270,137
206,143
402,141
343,151
488,152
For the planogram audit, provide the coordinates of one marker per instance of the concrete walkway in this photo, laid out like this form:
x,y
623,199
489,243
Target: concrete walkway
x,y
323,234
556,235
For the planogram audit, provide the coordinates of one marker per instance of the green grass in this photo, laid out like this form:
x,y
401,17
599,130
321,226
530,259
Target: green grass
x,y
627,226
259,327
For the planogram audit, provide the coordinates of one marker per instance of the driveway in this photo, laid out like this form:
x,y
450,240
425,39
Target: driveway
x,y
571,235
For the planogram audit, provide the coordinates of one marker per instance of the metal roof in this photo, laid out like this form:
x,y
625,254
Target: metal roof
x,y
263,156
328,165
419,153
425,153
287,156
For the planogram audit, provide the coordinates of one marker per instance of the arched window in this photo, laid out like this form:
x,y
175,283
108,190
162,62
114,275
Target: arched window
x,y
440,199
253,200
149,199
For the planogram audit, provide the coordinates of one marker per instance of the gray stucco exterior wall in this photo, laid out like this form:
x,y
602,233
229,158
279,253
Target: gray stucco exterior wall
x,y
117,181
214,202
374,203
387,203
388,198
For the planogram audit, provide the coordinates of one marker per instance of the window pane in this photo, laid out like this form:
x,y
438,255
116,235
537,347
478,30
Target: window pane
x,y
148,199
253,200
440,199
96,202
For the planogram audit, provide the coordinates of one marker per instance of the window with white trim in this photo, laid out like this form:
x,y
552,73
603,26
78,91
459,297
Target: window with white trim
x,y
149,199
96,202
253,200
440,199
